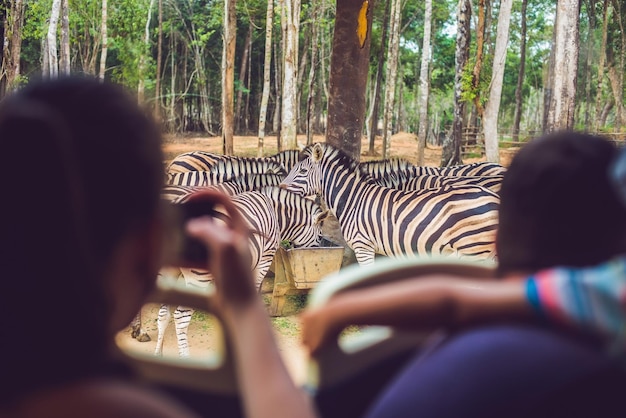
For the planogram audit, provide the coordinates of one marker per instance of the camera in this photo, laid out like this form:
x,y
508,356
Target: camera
x,y
180,249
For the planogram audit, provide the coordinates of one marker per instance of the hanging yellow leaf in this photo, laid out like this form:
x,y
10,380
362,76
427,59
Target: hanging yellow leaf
x,y
361,26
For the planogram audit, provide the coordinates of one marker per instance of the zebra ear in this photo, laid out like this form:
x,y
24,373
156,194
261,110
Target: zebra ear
x,y
322,217
318,151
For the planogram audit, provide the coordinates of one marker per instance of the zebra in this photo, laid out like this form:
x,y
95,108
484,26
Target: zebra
x,y
223,170
208,161
467,170
287,158
383,168
401,181
375,219
233,185
273,214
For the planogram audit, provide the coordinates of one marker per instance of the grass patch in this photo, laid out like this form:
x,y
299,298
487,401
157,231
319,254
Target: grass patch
x,y
286,326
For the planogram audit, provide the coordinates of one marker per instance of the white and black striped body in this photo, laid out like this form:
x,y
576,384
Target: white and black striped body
x,y
274,215
403,181
378,220
287,158
226,165
467,170
232,186
224,170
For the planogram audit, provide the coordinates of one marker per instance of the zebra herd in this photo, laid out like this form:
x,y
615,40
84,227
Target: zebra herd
x,y
388,207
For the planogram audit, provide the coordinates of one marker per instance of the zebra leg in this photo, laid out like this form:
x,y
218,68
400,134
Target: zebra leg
x,y
162,323
182,318
137,331
364,255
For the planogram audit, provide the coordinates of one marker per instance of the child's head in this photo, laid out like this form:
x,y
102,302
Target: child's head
x,y
558,206
83,172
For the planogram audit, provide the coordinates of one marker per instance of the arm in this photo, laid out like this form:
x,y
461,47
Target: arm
x,y
432,301
267,388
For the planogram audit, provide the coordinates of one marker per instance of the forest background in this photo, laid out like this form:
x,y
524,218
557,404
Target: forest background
x,y
453,71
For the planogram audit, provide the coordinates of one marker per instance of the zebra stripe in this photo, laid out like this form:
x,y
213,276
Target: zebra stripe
x,y
229,165
275,215
402,181
383,168
468,170
376,219
287,158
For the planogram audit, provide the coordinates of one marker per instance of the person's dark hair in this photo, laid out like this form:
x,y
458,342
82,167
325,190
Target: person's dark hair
x,y
558,206
83,168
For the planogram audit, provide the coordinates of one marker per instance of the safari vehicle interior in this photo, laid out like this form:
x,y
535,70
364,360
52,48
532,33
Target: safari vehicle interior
x,y
342,379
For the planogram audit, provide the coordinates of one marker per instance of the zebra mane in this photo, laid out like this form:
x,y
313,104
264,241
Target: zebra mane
x,y
330,152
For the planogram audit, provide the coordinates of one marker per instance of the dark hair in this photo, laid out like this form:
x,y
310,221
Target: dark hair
x,y
83,168
558,206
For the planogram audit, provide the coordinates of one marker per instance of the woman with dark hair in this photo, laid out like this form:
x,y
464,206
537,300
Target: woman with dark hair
x,y
81,232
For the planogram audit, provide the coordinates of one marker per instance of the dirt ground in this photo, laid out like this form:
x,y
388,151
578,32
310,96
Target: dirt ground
x,y
203,328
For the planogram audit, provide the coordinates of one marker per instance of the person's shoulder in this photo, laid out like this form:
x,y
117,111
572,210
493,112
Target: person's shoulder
x,y
99,399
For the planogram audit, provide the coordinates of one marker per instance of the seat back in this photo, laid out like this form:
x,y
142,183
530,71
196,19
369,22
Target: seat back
x,y
345,375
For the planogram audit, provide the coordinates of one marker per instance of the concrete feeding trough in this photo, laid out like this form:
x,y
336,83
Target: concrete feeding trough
x,y
297,270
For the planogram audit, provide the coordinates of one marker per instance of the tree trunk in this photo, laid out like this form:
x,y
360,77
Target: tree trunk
x,y
591,11
14,22
304,60
239,116
157,87
424,83
288,131
392,73
379,81
517,118
451,154
141,84
269,23
490,119
64,63
105,42
53,61
278,76
562,105
617,87
601,60
349,66
310,101
228,76
478,65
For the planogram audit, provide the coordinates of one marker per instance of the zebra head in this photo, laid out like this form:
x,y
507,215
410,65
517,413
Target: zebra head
x,y
305,178
300,219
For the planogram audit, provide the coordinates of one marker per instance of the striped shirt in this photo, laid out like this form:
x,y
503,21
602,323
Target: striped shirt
x,y
592,298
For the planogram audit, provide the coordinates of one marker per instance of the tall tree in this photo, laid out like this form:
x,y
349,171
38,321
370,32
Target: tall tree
x,y
310,102
104,42
267,62
392,73
562,105
288,131
12,46
53,60
157,87
451,154
228,76
64,62
349,66
424,83
601,60
373,122
141,85
517,118
490,119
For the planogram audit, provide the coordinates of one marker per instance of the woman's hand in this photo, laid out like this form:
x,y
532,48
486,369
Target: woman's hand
x,y
229,251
